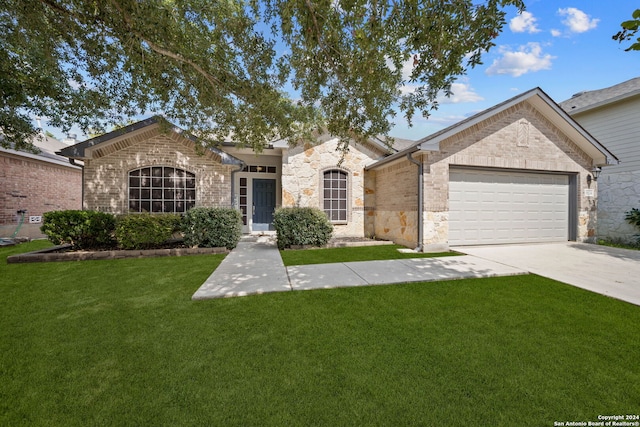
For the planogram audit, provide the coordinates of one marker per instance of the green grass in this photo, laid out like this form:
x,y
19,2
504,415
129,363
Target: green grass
x,y
120,343
349,254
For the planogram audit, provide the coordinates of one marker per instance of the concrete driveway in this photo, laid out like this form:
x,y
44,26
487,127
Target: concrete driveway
x,y
608,271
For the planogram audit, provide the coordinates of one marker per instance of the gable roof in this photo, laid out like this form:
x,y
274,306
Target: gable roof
x,y
48,148
588,100
539,100
81,150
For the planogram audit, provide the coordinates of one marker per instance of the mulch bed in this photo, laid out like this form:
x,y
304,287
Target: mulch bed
x,y
63,253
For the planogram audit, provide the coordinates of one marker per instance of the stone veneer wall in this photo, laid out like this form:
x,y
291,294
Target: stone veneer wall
x,y
517,138
617,194
106,175
395,214
302,169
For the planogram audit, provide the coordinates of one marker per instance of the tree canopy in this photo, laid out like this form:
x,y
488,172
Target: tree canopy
x,y
229,67
629,30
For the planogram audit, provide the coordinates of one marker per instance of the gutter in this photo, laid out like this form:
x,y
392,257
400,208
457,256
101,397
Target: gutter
x,y
420,200
233,183
74,163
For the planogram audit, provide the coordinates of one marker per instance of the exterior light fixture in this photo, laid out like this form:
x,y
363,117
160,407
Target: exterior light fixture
x,y
596,172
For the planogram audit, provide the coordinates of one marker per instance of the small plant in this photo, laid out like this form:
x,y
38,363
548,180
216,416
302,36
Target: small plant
x,y
80,229
301,227
212,227
145,231
633,218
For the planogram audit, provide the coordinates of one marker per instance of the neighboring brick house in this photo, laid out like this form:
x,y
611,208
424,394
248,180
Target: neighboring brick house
x,y
612,115
36,183
517,172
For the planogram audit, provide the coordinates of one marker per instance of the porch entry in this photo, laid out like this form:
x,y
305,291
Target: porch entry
x,y
264,203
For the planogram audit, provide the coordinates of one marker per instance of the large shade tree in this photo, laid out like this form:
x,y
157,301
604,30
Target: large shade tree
x,y
629,30
230,67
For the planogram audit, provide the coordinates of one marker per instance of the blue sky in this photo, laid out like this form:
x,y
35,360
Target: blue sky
x,y
563,47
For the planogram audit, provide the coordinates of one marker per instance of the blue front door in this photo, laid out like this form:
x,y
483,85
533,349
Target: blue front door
x,y
264,203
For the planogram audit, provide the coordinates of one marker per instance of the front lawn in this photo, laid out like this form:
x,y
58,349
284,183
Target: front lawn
x,y
120,343
349,254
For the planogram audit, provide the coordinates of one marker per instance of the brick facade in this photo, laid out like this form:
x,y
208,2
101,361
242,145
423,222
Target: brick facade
x,y
38,186
396,209
517,138
106,172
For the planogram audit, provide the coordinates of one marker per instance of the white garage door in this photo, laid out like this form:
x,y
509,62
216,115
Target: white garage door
x,y
490,207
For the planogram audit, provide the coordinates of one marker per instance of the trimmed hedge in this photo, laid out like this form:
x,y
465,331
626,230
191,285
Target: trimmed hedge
x,y
212,227
301,227
145,231
80,229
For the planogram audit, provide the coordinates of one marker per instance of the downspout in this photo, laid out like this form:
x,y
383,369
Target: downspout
x,y
74,163
420,200
233,184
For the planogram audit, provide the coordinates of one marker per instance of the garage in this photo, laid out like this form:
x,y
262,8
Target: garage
x,y
496,207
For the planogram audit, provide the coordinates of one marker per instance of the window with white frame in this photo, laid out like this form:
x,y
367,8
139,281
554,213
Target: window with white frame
x,y
334,191
161,189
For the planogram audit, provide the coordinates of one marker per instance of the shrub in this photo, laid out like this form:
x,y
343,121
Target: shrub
x,y
80,229
301,226
633,217
212,227
145,231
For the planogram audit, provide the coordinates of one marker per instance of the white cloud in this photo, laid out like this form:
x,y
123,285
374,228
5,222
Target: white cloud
x,y
527,59
524,23
556,33
577,21
461,93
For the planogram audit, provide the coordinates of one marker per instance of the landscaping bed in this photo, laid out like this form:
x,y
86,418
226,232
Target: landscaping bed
x,y
64,253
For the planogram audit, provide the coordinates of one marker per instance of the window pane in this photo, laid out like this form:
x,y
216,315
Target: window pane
x,y
335,194
161,189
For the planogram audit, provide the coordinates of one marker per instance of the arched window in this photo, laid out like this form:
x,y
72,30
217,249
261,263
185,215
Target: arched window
x,y
334,190
161,189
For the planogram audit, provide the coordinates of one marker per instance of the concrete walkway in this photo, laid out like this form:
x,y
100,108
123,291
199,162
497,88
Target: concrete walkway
x,y
255,267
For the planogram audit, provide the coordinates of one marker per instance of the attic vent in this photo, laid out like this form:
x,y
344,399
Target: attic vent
x,y
575,95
